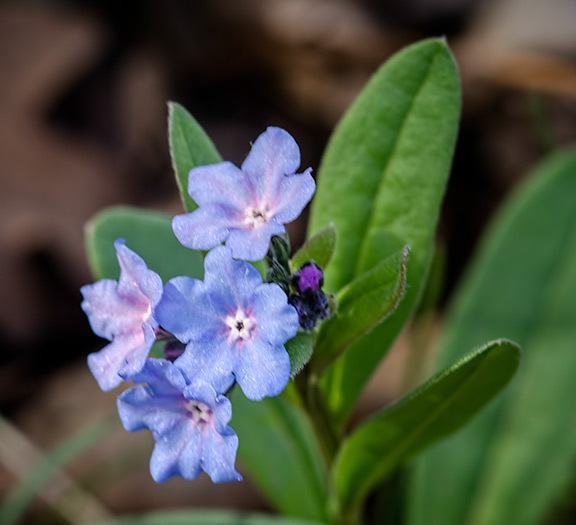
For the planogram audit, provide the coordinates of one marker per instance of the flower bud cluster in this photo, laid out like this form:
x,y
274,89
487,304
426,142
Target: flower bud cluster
x,y
308,298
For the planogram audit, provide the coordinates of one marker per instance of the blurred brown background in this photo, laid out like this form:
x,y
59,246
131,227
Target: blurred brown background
x,y
83,91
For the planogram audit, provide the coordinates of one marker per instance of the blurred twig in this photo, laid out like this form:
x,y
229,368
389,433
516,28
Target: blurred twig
x,y
541,122
35,469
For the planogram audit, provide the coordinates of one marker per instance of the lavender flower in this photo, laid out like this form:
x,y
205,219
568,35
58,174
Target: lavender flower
x,y
234,325
122,312
189,422
246,207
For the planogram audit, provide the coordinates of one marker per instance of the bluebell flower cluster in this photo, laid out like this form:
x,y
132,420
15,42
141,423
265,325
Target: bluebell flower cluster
x,y
230,328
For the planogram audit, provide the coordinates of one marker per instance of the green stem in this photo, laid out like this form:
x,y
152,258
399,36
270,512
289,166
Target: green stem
x,y
316,409
328,439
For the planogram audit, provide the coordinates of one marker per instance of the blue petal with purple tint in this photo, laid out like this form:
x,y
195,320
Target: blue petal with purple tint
x,y
122,312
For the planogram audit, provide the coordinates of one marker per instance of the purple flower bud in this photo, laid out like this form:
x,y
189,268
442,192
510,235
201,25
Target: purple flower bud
x,y
309,277
310,301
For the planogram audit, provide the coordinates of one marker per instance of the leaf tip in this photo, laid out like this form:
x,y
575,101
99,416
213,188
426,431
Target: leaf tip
x,y
172,107
516,348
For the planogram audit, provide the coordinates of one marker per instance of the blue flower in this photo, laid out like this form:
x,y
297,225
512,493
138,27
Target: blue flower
x,y
246,207
234,325
122,312
189,422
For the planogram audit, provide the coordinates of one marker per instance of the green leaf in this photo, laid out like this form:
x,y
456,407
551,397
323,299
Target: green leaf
x,y
20,497
189,147
277,447
147,233
299,349
204,517
436,409
514,461
363,304
319,248
381,182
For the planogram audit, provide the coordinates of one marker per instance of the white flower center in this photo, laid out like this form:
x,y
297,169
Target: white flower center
x,y
241,325
200,411
256,217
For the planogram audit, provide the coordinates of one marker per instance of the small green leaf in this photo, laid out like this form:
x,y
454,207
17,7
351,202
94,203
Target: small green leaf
x,y
147,233
319,248
204,517
277,447
436,409
299,349
381,182
362,305
189,147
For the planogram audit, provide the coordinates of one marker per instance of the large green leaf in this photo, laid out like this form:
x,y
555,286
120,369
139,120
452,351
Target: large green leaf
x,y
147,233
363,304
279,451
381,183
511,463
436,409
189,147
204,517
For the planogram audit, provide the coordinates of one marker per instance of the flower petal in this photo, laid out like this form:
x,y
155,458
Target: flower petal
x,y
263,369
122,358
273,155
184,312
205,227
137,284
163,378
139,408
294,193
222,184
252,245
109,313
233,280
219,454
277,320
211,361
178,452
